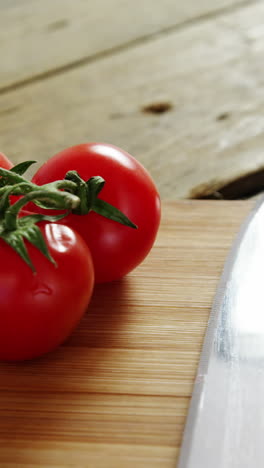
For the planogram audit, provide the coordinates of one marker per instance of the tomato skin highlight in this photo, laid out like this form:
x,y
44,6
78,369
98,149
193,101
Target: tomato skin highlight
x,y
40,310
116,249
5,163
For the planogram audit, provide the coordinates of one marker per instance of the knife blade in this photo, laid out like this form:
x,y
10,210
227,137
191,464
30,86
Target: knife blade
x,y
225,423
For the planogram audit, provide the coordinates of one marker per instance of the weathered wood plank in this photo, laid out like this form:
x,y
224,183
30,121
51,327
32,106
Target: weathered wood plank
x,y
211,74
38,36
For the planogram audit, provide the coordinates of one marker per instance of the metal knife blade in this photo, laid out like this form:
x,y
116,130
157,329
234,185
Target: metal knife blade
x,y
225,424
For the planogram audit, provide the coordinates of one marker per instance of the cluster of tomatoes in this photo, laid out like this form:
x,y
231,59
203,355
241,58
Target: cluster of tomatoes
x,y
39,309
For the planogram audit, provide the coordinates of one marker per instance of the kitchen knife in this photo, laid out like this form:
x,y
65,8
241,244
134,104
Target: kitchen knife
x,y
225,424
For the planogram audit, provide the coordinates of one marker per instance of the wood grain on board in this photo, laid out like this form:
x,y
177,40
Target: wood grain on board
x,y
116,394
188,104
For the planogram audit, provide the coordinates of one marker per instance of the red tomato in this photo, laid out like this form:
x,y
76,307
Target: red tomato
x,y
39,311
116,249
4,162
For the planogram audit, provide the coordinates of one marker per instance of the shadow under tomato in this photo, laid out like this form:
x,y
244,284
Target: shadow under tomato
x,y
42,399
106,317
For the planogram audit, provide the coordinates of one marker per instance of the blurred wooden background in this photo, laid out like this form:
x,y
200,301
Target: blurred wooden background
x,y
177,84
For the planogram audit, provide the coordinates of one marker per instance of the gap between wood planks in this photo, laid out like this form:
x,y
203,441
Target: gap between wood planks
x,y
127,45
244,187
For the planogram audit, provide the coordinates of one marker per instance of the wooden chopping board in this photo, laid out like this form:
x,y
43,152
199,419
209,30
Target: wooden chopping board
x,y
116,394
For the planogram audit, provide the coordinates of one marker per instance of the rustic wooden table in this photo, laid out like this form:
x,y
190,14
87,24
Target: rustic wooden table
x,y
180,86
177,84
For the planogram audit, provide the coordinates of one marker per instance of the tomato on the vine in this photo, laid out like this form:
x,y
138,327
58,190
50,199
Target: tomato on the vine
x,y
116,249
38,311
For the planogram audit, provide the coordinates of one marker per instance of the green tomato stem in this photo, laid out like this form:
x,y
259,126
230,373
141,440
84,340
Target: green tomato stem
x,y
12,177
61,184
63,201
6,191
71,193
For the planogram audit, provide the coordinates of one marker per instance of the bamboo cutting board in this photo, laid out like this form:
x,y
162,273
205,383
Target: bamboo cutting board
x,y
117,393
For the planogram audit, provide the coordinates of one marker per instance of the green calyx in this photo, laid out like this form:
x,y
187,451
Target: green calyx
x,y
88,193
72,195
14,230
27,229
